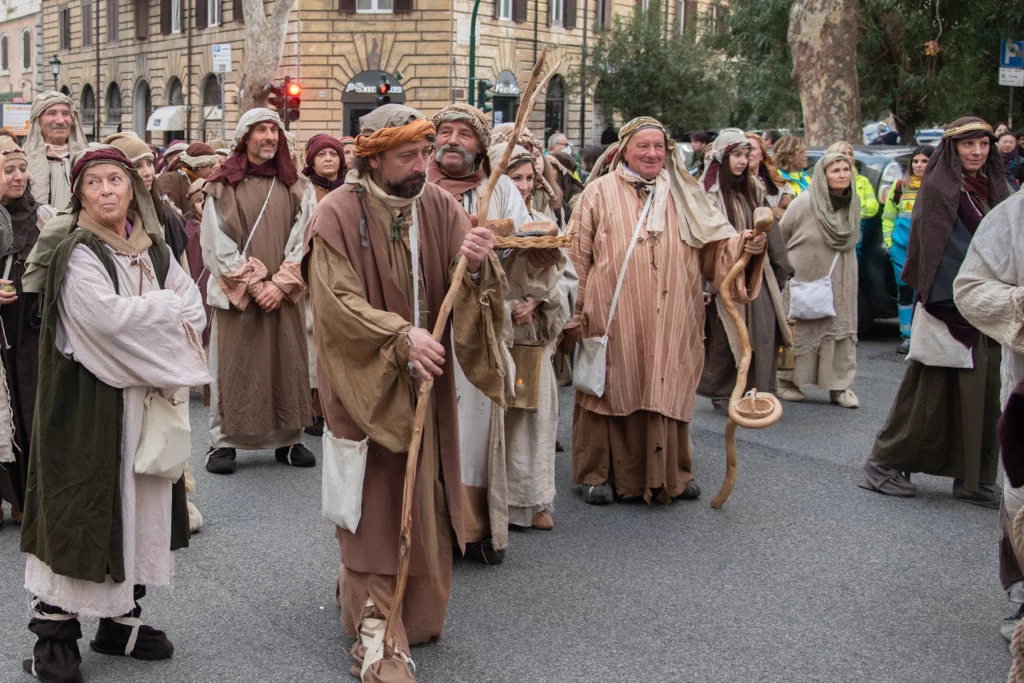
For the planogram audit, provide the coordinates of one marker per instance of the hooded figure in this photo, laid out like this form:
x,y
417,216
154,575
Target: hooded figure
x,y
49,161
963,182
636,435
195,161
737,195
257,206
120,319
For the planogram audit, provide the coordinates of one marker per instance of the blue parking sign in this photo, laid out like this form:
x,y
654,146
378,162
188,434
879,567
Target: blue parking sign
x,y
1011,54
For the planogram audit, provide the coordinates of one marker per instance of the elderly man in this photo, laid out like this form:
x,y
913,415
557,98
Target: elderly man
x,y
96,532
380,253
557,142
197,161
54,136
635,435
256,210
461,166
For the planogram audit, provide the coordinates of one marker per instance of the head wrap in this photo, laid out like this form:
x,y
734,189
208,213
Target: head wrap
x,y
549,193
22,210
724,145
35,146
840,227
347,140
938,201
471,116
59,227
700,223
134,147
389,126
314,146
9,148
198,155
176,147
238,165
521,155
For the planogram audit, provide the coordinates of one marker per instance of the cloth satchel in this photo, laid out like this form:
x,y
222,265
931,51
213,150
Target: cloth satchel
x,y
591,368
813,300
932,344
342,489
166,441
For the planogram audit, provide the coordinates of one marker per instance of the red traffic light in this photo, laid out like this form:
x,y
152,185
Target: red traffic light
x,y
383,89
294,90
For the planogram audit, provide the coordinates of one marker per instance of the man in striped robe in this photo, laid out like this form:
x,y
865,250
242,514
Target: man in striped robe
x,y
635,437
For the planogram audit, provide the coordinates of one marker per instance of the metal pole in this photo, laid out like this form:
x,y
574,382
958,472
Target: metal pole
x,y
583,80
223,107
472,53
1009,119
99,78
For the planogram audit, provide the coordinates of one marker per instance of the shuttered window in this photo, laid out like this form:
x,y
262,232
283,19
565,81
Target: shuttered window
x,y
202,13
236,11
142,19
569,20
165,16
403,6
86,24
65,28
113,19
519,11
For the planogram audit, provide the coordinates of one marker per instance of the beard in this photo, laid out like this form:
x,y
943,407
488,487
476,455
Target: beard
x,y
406,188
263,150
467,159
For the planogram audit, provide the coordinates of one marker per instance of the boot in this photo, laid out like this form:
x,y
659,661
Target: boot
x,y
55,656
987,495
886,481
127,636
317,428
484,552
220,461
296,456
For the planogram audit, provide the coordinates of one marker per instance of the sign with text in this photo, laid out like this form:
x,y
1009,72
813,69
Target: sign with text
x,y
1011,77
222,58
16,118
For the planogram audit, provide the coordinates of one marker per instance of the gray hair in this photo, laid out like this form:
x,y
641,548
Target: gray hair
x,y
555,138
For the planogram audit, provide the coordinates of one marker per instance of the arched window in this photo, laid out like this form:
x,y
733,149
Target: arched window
x,y
554,107
213,111
88,107
5,64
26,49
174,93
142,108
114,107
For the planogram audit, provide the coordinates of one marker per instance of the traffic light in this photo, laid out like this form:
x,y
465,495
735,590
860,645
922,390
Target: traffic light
x,y
383,91
484,95
276,100
293,99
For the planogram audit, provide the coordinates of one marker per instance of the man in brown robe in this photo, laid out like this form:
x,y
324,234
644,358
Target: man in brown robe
x,y
197,161
379,256
257,207
636,436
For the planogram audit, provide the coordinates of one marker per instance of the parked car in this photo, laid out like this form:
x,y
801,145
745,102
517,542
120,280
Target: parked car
x,y
928,136
883,165
873,131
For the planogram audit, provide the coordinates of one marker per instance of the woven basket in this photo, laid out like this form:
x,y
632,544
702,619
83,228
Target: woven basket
x,y
535,242
754,407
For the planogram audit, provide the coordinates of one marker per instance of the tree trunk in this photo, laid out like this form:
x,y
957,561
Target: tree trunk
x,y
264,46
823,41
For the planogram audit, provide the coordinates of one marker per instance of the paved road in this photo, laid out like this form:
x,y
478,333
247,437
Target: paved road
x,y
802,577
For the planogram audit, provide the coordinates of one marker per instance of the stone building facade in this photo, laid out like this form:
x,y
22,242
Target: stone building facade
x,y
22,73
122,60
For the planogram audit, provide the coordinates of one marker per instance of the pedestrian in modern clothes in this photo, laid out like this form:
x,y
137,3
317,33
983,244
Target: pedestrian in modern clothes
x,y
1012,159
790,154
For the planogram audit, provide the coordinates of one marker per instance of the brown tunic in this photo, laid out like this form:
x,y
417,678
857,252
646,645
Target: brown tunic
x,y
262,368
174,185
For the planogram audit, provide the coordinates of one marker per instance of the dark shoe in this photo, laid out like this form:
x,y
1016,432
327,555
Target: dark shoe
x,y
221,461
55,656
484,552
692,490
904,347
296,456
987,495
558,447
597,495
721,406
317,428
888,482
114,636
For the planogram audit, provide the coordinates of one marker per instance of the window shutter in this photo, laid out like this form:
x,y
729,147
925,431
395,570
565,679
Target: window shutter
x,y
403,6
202,13
236,11
346,6
519,11
606,13
141,19
497,9
165,16
569,17
690,17
86,24
551,10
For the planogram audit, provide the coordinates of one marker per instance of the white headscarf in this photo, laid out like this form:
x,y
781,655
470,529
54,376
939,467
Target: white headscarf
x,y
35,146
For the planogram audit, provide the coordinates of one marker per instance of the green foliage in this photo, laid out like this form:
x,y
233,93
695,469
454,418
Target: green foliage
x,y
640,68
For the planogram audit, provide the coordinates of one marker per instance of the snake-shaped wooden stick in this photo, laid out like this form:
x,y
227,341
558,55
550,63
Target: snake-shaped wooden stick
x,y
763,222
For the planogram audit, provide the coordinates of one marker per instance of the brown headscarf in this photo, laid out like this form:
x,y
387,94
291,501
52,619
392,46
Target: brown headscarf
x,y
238,165
314,146
938,201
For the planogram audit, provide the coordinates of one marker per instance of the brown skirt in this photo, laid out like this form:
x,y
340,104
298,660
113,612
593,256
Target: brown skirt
x,y
943,421
642,454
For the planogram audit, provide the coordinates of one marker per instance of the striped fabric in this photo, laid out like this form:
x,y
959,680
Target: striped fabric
x,y
655,350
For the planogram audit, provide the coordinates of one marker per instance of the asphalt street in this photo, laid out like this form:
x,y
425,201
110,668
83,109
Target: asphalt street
x,y
801,577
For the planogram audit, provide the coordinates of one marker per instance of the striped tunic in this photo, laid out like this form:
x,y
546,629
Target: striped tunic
x,y
656,341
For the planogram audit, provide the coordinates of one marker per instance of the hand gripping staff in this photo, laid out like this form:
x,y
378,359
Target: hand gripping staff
x,y
412,459
755,410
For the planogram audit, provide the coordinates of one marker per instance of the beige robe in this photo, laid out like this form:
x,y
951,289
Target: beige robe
x,y
826,349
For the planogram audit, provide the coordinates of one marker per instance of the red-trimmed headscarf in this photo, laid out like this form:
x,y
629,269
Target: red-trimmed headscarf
x,y
238,165
314,146
102,155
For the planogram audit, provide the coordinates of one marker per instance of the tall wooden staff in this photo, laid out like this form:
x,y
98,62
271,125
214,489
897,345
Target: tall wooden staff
x,y
412,459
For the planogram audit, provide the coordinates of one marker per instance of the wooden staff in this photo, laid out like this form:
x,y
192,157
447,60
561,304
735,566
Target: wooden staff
x,y
412,459
770,409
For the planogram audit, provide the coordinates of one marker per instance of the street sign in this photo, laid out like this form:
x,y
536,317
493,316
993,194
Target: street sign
x,y
16,118
222,58
1011,77
1011,54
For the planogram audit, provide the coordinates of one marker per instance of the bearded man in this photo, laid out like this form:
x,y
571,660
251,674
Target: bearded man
x,y
54,135
196,161
257,207
462,167
636,436
379,257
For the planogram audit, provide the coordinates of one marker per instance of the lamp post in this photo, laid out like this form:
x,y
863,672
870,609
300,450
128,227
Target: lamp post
x,y
55,69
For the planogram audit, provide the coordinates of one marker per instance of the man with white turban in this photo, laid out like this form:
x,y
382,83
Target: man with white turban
x,y
256,210
55,134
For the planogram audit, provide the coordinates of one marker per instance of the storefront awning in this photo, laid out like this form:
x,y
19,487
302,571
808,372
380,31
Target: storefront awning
x,y
166,119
